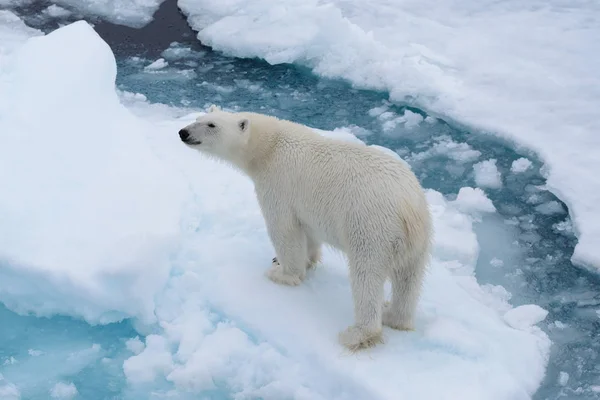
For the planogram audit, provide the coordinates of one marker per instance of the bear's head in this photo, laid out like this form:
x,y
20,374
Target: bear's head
x,y
218,133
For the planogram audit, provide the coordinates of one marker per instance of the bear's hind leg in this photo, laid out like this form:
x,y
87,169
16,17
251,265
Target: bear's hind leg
x,y
367,278
289,266
407,280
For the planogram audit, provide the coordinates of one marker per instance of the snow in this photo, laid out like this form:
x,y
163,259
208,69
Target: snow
x,y
63,391
107,215
520,165
487,174
524,70
132,13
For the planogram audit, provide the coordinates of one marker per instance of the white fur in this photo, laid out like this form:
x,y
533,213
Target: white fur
x,y
314,190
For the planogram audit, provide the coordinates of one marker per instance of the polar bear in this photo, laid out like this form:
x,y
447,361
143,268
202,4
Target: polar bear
x,y
315,190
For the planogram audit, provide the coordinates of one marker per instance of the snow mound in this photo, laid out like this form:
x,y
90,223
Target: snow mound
x,y
86,225
525,70
108,215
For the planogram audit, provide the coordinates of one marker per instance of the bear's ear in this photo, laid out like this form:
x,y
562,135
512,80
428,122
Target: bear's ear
x,y
213,108
244,124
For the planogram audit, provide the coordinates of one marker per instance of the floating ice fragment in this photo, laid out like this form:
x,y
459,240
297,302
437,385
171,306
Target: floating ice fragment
x,y
549,208
10,361
520,165
525,316
9,391
56,11
156,65
560,325
496,262
135,345
35,353
487,174
473,200
445,146
412,119
563,378
63,391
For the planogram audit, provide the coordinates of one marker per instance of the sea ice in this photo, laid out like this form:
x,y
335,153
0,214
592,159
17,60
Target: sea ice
x,y
524,70
108,215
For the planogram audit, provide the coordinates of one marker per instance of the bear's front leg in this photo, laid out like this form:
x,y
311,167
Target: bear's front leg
x,y
289,266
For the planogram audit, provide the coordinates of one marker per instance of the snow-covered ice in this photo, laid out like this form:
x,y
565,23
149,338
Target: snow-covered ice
x,y
84,207
524,70
109,216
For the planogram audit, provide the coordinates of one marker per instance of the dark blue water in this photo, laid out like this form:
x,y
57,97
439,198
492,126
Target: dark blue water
x,y
534,247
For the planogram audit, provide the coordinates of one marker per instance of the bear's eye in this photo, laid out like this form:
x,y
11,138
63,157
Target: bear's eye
x,y
211,125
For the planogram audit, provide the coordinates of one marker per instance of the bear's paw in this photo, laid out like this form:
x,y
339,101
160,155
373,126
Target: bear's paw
x,y
356,338
279,275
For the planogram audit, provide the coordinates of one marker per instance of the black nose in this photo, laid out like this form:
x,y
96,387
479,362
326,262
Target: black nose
x,y
184,134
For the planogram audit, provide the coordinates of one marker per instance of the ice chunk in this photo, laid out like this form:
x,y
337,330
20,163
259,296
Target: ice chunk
x,y
487,174
563,378
498,66
158,64
63,391
524,317
89,211
9,391
57,12
496,262
473,200
135,345
445,146
177,51
520,165
551,207
132,13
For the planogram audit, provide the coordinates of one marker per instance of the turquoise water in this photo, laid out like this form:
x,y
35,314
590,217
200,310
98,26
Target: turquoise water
x,y
534,246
